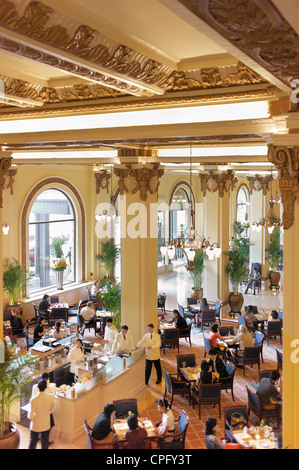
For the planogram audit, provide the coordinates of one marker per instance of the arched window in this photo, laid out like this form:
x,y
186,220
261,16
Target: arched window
x,y
180,213
52,217
243,208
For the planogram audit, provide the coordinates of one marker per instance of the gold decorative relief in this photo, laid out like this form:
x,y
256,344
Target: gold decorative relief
x,y
259,183
286,161
11,173
5,164
221,182
145,178
102,180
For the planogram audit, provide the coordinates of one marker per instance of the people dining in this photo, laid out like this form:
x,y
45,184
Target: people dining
x,y
216,364
166,427
88,313
44,305
94,290
214,336
103,426
136,435
57,333
39,329
268,393
243,338
16,322
250,318
179,321
212,432
203,305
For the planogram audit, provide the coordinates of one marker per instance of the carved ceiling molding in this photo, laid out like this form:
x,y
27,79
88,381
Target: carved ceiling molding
x,y
257,29
145,179
102,180
212,182
63,109
259,183
286,161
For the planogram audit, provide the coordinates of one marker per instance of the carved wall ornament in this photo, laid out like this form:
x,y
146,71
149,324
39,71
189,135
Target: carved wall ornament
x,y
5,164
286,161
255,27
102,180
11,173
214,181
259,183
143,178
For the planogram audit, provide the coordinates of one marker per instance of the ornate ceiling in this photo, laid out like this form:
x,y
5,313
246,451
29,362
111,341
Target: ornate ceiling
x,y
69,57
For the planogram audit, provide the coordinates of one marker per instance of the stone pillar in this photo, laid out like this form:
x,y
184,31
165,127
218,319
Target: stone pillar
x,y
286,160
138,184
5,164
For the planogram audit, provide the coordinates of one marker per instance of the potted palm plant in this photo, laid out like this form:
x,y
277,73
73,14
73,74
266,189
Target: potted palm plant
x,y
14,380
109,255
275,252
112,299
59,263
14,279
237,268
196,272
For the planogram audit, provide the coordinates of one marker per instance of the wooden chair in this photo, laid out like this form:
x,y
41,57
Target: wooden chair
x,y
54,299
175,386
274,328
35,311
186,333
256,407
207,317
29,337
217,308
57,314
179,436
226,330
207,394
185,360
171,337
207,344
227,383
72,312
162,302
249,356
122,407
232,421
186,313
279,359
93,443
241,320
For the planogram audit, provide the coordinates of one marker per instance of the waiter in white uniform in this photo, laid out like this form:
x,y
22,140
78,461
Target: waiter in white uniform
x,y
151,341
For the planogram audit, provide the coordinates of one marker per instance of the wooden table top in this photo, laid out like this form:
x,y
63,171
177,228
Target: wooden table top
x,y
120,427
255,441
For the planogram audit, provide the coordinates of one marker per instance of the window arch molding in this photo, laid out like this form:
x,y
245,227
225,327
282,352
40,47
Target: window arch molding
x,y
242,187
185,185
80,227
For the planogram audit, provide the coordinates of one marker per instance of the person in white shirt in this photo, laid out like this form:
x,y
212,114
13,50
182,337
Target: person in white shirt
x,y
35,392
94,288
41,407
57,333
110,333
166,426
88,313
75,357
151,341
123,342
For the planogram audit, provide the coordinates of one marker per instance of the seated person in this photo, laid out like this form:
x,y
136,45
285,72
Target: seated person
x,y
166,426
135,435
16,322
203,305
178,320
94,289
39,329
123,342
211,429
244,339
44,305
103,427
267,392
250,318
57,333
88,314
213,336
274,317
216,364
253,280
205,376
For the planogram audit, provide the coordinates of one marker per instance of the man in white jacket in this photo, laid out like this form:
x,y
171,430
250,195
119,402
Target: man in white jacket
x,y
151,341
41,407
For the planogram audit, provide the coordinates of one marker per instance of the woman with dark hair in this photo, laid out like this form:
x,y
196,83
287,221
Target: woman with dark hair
x,y
39,329
211,429
203,305
136,435
103,427
57,333
44,304
16,323
206,375
166,426
250,318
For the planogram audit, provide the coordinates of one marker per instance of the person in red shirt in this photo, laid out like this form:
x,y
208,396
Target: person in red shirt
x,y
213,336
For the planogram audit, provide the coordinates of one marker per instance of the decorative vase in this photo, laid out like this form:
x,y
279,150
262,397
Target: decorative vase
x,y
59,280
197,293
235,302
274,278
11,440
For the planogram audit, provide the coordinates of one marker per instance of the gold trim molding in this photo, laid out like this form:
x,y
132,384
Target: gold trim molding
x,y
102,180
259,183
212,182
145,178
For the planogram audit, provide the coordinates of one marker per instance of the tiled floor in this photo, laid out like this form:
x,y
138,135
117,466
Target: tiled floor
x,y
147,399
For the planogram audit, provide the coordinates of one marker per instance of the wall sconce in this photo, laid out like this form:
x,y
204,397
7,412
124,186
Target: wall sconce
x,y
5,228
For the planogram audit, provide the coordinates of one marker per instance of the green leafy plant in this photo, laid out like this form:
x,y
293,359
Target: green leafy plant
x,y
197,272
237,267
108,257
14,381
275,250
57,247
112,299
14,279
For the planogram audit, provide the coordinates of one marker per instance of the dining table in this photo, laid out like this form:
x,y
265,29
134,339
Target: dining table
x,y
190,374
120,427
260,437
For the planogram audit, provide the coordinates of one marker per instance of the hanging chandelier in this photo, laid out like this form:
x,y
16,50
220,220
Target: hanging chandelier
x,y
110,213
190,241
271,221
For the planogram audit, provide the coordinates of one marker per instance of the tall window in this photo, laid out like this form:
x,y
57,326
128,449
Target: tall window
x,y
243,209
180,213
52,217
